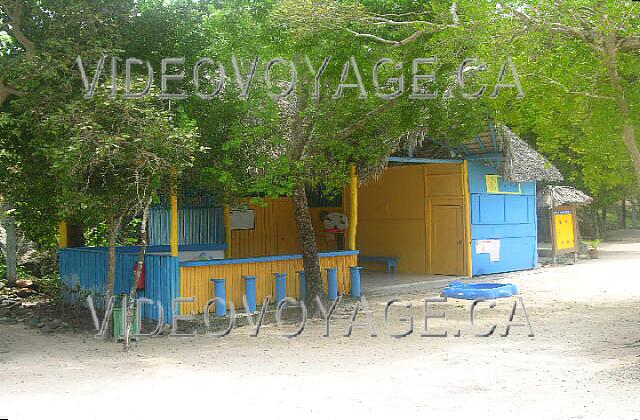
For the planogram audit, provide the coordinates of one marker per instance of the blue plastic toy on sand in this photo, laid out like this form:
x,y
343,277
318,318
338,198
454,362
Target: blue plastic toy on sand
x,y
478,291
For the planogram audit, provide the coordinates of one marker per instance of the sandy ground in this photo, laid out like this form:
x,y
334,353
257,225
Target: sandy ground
x,y
581,363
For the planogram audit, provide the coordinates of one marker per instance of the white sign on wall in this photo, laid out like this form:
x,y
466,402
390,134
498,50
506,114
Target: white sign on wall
x,y
243,219
489,246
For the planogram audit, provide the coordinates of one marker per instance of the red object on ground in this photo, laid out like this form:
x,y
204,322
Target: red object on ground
x,y
141,280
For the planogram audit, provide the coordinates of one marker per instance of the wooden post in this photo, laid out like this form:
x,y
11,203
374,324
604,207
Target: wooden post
x,y
174,220
552,226
468,251
11,250
63,235
353,209
227,230
576,234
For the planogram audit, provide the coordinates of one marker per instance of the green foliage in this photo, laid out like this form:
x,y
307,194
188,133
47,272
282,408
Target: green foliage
x,y
65,156
69,157
22,272
44,73
118,153
570,112
266,147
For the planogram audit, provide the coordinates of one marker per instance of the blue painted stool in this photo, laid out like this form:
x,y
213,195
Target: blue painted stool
x,y
332,283
355,282
250,292
220,291
281,286
391,262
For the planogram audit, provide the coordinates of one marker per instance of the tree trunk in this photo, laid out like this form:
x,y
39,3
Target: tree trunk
x,y
114,225
596,224
623,214
634,211
300,137
307,238
11,248
611,61
136,277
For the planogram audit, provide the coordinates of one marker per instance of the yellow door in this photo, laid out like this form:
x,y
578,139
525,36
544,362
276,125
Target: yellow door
x,y
447,239
565,234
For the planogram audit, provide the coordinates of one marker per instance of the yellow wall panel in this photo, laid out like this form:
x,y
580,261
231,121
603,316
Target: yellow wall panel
x,y
398,194
404,239
392,217
395,212
275,231
444,185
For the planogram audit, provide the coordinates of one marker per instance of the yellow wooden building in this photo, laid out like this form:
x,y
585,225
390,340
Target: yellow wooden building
x,y
463,210
419,214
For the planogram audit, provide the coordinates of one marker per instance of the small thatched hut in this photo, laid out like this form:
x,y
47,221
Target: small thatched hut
x,y
467,208
559,201
561,195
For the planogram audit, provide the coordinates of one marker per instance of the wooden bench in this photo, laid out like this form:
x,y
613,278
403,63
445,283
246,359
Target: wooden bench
x,y
391,262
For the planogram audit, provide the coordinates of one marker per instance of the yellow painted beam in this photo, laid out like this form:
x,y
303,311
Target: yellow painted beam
x,y
467,220
353,210
63,235
174,221
227,229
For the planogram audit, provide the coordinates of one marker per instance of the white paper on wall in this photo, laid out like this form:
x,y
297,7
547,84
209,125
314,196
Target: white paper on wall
x,y
489,246
243,219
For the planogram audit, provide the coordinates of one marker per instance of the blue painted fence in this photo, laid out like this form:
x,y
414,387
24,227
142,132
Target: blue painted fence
x,y
88,268
195,225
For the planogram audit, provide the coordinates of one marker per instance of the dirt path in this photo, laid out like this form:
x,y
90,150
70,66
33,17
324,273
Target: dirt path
x,y
579,365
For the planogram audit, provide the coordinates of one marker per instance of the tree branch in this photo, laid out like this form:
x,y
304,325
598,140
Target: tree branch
x,y
574,32
629,43
567,90
7,91
385,20
348,132
560,28
14,10
371,36
396,14
378,20
417,34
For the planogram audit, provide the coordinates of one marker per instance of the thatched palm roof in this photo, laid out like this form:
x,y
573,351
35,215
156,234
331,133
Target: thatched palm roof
x,y
522,163
558,195
515,159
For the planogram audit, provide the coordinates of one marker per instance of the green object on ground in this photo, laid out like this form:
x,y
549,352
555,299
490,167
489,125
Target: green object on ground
x,y
118,328
593,243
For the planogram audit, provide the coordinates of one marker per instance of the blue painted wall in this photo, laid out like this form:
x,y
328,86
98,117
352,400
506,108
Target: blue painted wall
x,y
510,218
197,225
88,269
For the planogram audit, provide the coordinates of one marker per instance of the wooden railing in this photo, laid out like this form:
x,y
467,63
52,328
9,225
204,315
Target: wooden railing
x,y
195,277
